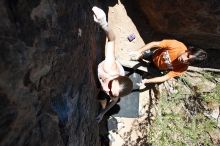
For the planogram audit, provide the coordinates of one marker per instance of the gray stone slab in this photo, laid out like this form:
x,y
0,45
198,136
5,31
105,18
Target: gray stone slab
x,y
129,105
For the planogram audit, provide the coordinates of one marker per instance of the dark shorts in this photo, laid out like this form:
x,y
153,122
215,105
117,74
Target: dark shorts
x,y
148,55
102,96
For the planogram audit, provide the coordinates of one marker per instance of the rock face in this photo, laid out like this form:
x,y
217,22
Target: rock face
x,y
48,61
196,22
47,73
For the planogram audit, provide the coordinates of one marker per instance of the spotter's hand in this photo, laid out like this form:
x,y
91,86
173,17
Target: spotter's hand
x,y
135,55
99,117
143,82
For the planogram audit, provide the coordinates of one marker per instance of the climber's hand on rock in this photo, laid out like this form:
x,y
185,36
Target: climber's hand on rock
x,y
99,17
99,117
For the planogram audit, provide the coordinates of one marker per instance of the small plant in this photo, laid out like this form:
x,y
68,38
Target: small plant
x,y
180,122
213,96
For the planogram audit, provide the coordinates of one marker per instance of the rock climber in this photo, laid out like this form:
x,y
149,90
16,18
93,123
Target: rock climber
x,y
171,56
111,74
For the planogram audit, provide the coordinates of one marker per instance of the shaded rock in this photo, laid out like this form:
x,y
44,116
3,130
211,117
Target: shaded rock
x,y
47,73
195,22
39,73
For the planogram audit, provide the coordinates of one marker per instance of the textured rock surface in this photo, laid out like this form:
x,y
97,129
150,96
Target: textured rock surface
x,y
196,22
47,85
48,58
123,26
